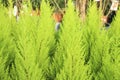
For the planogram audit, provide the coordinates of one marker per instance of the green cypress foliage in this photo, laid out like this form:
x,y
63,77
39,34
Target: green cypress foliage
x,y
30,49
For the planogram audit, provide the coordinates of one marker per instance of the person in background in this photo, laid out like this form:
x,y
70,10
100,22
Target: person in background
x,y
113,10
15,11
111,13
58,19
16,8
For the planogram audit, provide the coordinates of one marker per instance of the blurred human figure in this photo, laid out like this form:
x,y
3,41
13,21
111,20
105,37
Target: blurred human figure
x,y
15,11
107,20
57,26
16,8
58,19
111,13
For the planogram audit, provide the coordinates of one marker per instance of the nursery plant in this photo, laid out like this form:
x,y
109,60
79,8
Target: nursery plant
x,y
31,48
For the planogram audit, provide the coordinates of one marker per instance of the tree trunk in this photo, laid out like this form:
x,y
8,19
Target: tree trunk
x,y
81,7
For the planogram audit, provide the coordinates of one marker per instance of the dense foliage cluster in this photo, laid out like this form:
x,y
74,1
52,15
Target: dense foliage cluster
x,y
30,48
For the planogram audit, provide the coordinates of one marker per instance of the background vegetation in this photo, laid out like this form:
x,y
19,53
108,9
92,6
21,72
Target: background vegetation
x,y
30,48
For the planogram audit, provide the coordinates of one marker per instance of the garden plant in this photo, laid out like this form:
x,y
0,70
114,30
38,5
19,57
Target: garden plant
x,y
31,49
